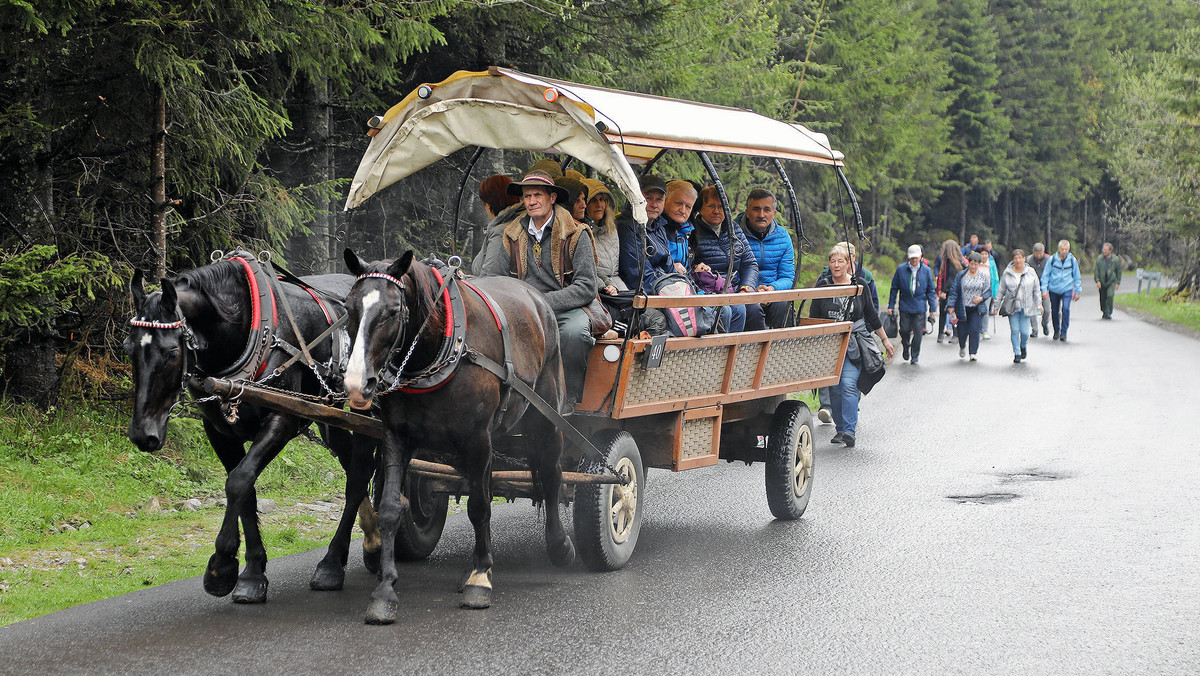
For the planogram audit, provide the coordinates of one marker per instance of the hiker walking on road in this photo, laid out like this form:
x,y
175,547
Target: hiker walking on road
x,y
1061,284
968,304
913,285
1020,296
1108,279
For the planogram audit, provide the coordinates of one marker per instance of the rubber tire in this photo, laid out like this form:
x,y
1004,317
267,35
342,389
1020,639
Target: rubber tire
x,y
420,528
594,538
790,439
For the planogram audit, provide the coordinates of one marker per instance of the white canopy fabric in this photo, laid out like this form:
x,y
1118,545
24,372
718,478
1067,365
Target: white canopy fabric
x,y
607,129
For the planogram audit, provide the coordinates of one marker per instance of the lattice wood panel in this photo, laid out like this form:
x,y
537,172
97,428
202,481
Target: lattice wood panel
x,y
801,358
697,438
682,374
745,364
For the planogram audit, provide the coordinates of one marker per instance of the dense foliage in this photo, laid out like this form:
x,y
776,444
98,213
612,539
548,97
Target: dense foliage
x,y
142,133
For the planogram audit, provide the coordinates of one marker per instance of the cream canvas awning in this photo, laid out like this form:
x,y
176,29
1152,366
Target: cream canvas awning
x,y
606,129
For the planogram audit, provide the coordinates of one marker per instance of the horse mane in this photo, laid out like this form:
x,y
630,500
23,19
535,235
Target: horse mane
x,y
221,283
426,286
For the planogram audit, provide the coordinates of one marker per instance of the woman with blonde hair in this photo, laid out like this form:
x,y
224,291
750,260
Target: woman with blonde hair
x,y
600,215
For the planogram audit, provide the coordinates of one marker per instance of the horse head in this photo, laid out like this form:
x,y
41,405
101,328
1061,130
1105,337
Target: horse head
x,y
378,316
157,349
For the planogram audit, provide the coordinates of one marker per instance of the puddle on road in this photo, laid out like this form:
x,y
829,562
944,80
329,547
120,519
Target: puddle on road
x,y
1030,475
983,498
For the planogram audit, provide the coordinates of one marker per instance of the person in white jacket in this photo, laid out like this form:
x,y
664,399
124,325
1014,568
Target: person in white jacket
x,y
1020,294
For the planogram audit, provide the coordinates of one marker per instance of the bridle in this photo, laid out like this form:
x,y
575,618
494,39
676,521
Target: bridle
x,y
190,348
453,346
382,373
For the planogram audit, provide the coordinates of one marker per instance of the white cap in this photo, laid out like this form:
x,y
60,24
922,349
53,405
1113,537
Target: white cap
x,y
914,251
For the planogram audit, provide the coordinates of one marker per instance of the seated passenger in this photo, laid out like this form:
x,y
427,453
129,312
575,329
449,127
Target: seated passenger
x,y
657,254
677,207
600,216
530,251
577,196
772,248
710,253
500,208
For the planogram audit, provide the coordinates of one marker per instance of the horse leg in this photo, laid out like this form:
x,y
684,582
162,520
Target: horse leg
x,y
239,490
331,571
384,604
548,478
221,575
477,585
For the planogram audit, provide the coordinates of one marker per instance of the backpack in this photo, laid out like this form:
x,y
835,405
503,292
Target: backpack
x,y
686,321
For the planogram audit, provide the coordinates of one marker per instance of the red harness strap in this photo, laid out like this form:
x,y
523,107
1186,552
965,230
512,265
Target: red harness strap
x,y
486,302
256,308
328,319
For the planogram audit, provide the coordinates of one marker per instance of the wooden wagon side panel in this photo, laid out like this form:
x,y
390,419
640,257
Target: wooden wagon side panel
x,y
713,370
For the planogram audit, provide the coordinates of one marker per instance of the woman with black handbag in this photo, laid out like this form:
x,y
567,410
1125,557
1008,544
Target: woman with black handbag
x,y
1020,300
845,395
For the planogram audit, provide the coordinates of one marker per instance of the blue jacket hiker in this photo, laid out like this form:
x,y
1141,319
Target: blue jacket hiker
x,y
1062,282
917,293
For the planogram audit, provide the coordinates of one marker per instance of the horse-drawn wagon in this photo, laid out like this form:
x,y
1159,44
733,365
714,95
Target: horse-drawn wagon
x,y
669,403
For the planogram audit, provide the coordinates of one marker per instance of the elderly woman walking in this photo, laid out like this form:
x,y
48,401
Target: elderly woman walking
x,y
844,396
967,303
1020,296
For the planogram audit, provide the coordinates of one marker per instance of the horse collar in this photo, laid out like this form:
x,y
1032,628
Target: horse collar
x,y
253,360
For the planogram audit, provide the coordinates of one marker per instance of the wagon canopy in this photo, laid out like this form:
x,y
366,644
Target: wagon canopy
x,y
607,129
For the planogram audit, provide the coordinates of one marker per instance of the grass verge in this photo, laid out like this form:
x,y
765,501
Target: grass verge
x,y
88,516
1181,312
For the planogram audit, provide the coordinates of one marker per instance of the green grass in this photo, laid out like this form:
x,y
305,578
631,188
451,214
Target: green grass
x,y
75,497
1182,312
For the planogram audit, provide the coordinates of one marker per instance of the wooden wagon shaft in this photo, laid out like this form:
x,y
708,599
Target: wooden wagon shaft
x,y
356,422
279,401
711,299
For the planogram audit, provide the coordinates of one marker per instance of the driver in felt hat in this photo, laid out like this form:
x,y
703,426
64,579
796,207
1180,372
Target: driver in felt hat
x,y
547,248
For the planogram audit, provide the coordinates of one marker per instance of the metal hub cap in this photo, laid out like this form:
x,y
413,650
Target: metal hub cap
x,y
622,503
802,462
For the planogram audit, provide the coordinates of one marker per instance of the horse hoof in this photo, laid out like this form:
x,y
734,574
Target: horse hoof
x,y
371,560
221,576
250,591
381,611
564,554
327,578
476,597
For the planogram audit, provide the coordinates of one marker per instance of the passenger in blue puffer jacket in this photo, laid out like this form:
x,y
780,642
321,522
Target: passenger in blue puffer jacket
x,y
772,248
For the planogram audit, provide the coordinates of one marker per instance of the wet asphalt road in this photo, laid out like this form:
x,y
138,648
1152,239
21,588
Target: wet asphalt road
x,y
995,518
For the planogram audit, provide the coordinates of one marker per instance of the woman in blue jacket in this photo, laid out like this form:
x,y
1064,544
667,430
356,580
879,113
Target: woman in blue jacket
x,y
710,251
968,304
1061,284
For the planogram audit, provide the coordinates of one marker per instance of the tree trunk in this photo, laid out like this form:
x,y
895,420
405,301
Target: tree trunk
x,y
1049,208
158,186
962,215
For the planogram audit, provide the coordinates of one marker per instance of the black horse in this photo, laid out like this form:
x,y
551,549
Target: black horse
x,y
395,309
204,323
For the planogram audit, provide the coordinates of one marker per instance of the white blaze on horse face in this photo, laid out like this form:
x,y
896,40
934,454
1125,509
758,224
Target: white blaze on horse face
x,y
356,372
146,339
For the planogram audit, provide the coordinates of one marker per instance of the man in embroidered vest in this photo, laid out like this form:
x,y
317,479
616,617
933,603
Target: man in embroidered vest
x,y
552,252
